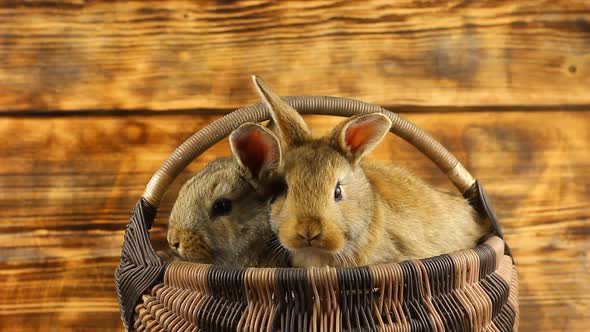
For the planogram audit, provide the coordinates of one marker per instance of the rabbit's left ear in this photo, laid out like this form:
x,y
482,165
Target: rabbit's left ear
x,y
291,127
255,148
359,135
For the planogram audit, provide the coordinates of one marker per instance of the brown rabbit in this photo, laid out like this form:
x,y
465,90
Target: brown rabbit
x,y
338,210
221,215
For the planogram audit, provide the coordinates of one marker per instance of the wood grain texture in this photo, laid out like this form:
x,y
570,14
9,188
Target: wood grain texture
x,y
68,184
160,55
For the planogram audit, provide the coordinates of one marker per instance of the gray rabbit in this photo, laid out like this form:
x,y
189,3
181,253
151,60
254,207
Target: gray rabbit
x,y
221,215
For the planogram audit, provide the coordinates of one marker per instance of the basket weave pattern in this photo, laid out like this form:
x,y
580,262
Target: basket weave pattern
x,y
457,292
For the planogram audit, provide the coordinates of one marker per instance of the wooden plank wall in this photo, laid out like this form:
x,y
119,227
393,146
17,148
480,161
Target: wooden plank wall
x,y
95,94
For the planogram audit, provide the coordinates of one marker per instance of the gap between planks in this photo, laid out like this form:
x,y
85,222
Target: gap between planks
x,y
221,111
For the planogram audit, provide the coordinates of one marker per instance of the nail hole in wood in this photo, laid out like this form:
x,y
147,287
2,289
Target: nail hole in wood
x,y
572,69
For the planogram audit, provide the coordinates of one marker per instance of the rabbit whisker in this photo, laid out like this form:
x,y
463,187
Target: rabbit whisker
x,y
277,251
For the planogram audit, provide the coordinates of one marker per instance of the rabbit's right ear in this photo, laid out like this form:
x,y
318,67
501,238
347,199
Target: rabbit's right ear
x,y
359,135
290,124
255,148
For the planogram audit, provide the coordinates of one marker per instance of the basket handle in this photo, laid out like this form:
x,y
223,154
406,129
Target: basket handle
x,y
221,128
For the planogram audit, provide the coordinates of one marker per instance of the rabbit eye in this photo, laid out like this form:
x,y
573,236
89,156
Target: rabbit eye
x,y
221,206
337,192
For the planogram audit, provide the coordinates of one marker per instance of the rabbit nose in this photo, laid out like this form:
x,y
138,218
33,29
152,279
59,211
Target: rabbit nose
x,y
310,228
309,235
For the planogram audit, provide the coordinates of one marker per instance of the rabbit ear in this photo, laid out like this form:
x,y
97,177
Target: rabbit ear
x,y
255,148
359,135
290,124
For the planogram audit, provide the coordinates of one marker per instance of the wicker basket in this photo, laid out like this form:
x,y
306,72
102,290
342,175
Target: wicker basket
x,y
469,290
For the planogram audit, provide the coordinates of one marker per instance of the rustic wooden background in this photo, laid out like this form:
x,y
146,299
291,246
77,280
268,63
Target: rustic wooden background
x,y
95,94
